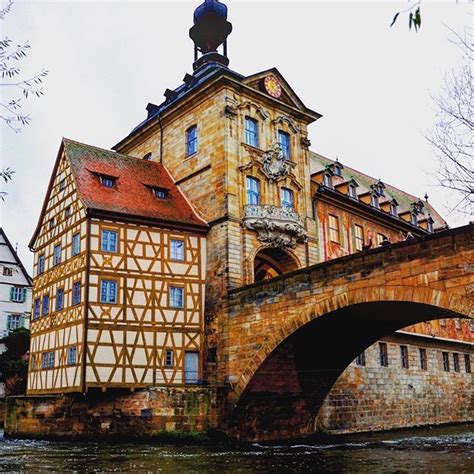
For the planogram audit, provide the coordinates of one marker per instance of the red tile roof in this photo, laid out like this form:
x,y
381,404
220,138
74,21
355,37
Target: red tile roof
x,y
132,193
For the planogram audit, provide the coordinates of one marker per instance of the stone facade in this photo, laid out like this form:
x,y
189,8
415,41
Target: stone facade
x,y
140,415
370,397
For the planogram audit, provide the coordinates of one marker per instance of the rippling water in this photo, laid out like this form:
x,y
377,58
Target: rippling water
x,y
439,450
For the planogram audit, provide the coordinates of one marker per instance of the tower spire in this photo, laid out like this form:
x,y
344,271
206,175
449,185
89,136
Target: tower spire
x,y
210,31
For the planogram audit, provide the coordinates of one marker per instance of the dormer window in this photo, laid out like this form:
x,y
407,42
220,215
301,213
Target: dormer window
x,y
430,223
107,181
413,219
393,209
160,193
147,157
337,168
417,207
374,201
378,188
327,180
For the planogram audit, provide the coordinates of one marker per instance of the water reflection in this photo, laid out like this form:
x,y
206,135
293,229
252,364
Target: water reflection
x,y
439,450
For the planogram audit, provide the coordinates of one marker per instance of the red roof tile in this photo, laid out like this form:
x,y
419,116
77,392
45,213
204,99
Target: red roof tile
x,y
132,193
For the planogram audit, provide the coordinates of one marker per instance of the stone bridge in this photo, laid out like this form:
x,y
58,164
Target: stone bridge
x,y
287,340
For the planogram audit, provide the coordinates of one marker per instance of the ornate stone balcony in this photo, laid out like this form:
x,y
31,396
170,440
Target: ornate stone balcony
x,y
277,226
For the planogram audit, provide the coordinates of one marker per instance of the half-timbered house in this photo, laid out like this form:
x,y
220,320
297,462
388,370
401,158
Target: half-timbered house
x,y
119,276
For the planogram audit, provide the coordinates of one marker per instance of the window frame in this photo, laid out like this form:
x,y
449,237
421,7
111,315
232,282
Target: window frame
x,y
423,358
374,200
45,308
76,244
192,144
105,243
383,354
251,133
404,357
456,362
253,193
445,359
17,294
287,203
75,285
36,309
467,363
334,232
57,255
72,361
285,146
171,298
358,238
41,264
18,318
106,282
173,255
107,181
59,292
168,362
361,360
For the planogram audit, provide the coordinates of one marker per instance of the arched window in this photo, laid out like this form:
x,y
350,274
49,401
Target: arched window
x,y
393,209
374,201
352,191
253,191
327,180
270,263
413,219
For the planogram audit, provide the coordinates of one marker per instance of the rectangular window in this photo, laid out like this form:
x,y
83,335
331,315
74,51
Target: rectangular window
x,y
404,357
40,264
445,361
334,229
57,255
14,321
45,309
467,363
107,181
374,201
36,308
33,362
76,293
456,365
253,191
251,132
358,237
50,360
360,359
287,198
191,367
17,294
52,223
108,291
169,358
191,140
109,241
67,212
76,244
44,360
383,354
423,359
285,144
177,249
59,299
176,297
160,193
71,355
380,239
7,271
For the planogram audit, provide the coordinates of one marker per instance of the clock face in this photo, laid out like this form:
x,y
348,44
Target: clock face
x,y
272,86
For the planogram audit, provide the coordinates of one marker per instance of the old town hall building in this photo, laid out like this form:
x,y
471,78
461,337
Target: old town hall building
x,y
137,248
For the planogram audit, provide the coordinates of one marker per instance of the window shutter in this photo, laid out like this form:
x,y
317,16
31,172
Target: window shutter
x,y
23,297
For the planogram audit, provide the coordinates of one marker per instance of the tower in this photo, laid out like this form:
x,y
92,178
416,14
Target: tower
x,y
210,31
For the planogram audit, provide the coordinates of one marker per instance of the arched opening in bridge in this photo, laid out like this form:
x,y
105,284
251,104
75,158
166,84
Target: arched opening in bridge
x,y
272,262
285,393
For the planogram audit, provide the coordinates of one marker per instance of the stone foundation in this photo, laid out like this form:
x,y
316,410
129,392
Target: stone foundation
x,y
374,398
143,414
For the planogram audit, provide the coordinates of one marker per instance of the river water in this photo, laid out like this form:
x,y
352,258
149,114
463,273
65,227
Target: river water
x,y
437,450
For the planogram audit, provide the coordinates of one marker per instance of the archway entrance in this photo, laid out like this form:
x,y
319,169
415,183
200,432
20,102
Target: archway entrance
x,y
272,262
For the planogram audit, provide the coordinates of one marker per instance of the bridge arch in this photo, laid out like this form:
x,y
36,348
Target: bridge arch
x,y
381,309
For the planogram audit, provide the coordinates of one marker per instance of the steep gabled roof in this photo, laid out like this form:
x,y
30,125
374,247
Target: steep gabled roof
x,y
132,195
366,183
15,256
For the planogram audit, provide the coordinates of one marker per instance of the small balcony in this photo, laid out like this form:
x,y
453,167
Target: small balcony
x,y
276,226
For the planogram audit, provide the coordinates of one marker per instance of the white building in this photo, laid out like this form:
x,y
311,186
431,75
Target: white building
x,y
15,289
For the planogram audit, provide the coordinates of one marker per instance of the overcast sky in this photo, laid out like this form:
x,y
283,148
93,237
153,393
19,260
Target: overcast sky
x,y
107,60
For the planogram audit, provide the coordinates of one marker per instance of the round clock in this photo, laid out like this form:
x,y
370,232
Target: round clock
x,y
272,86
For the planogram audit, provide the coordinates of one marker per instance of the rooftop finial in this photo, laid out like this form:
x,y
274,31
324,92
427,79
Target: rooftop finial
x,y
210,31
